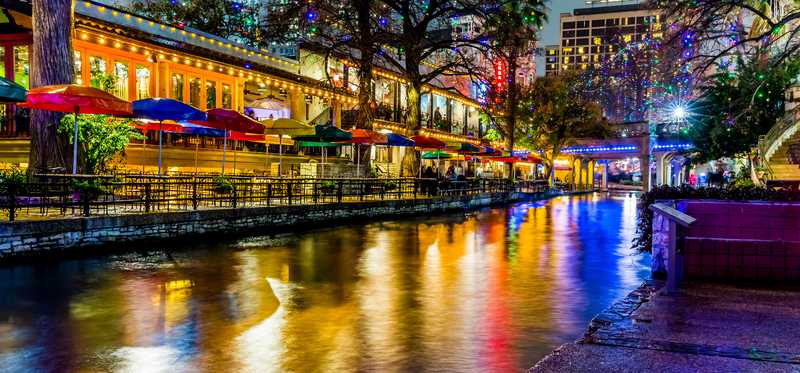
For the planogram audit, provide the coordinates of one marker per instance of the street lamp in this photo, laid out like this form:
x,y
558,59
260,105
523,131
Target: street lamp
x,y
679,113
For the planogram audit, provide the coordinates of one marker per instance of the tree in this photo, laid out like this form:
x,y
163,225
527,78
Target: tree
x,y
721,29
100,137
511,40
553,113
736,108
51,63
241,21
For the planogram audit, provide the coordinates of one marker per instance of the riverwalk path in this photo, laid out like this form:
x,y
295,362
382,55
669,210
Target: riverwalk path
x,y
703,328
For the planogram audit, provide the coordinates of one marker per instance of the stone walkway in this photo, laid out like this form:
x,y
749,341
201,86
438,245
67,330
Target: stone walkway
x,y
705,328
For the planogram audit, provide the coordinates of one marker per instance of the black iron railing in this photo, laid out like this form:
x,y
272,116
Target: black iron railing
x,y
46,196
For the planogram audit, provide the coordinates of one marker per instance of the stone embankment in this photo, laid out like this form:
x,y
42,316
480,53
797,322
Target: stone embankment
x,y
65,235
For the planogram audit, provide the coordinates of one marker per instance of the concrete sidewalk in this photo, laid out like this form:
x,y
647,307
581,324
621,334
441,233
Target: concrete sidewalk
x,y
706,328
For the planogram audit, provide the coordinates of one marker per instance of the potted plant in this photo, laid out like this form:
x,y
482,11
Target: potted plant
x,y
327,187
222,185
13,183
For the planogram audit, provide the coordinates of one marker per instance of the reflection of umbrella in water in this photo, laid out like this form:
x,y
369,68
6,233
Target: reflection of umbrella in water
x,y
71,98
285,127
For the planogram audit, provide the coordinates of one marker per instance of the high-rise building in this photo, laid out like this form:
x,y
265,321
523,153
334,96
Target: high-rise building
x,y
552,55
590,36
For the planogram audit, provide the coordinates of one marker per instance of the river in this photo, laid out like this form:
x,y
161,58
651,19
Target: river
x,y
491,291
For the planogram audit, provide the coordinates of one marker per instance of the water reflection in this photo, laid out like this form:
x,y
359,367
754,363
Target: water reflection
x,y
491,291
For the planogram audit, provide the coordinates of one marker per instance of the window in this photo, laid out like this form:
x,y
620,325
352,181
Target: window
x,y
142,82
21,65
211,94
227,99
97,73
177,86
121,83
76,67
195,87
3,62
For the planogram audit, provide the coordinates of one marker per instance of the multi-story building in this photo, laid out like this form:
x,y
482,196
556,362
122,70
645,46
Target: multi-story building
x,y
151,59
552,56
591,36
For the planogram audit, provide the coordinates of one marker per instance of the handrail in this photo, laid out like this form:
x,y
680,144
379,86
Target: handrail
x,y
673,215
786,127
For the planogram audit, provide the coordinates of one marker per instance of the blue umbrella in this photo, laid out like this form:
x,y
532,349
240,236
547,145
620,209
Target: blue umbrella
x,y
161,109
394,139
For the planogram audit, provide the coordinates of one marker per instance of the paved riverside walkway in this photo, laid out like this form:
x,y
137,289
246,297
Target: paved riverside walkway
x,y
705,328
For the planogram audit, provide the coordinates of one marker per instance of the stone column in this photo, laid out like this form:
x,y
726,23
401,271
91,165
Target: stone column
x,y
336,112
605,176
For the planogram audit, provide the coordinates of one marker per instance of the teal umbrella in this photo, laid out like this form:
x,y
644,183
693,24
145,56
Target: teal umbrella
x,y
11,91
324,134
316,144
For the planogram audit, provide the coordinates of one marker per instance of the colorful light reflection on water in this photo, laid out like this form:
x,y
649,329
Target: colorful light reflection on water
x,y
491,291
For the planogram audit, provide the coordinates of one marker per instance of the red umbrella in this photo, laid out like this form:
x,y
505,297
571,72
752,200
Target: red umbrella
x,y
70,98
234,135
426,142
368,137
231,120
166,126
361,136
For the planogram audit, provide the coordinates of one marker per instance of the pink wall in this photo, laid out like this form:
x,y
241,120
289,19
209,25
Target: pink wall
x,y
742,240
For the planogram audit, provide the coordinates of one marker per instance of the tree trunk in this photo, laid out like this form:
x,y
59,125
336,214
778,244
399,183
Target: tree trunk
x,y
366,101
511,119
411,160
51,63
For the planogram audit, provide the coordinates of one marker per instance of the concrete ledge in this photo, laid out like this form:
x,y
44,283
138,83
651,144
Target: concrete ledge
x,y
55,236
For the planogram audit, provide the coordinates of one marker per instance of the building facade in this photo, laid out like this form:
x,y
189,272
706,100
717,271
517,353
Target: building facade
x,y
592,36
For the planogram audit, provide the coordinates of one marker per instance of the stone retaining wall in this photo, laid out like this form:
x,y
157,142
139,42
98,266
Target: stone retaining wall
x,y
52,236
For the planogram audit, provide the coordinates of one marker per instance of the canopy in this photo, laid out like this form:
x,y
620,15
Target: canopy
x,y
288,127
11,91
161,109
231,120
439,154
394,139
425,142
269,104
71,98
361,136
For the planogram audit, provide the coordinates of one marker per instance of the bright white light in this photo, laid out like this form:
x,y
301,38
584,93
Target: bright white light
x,y
679,113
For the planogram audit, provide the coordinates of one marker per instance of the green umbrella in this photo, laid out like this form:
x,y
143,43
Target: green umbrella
x,y
437,155
325,134
316,144
11,91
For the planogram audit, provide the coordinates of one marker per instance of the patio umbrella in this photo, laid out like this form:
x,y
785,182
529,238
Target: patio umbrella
x,y
425,142
439,154
323,134
361,136
230,120
285,127
161,109
77,99
11,91
394,139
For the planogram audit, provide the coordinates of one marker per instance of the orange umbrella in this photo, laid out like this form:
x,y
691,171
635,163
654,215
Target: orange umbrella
x,y
368,137
71,98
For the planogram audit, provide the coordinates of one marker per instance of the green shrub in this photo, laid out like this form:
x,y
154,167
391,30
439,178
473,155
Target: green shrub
x,y
13,181
644,226
327,186
222,185
89,189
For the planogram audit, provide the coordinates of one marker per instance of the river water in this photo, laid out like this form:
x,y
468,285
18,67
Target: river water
x,y
494,290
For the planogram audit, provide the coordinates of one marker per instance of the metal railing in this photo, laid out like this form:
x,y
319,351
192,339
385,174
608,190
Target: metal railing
x,y
786,127
47,196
